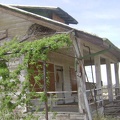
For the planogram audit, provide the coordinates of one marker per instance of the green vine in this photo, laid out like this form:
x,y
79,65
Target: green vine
x,y
13,91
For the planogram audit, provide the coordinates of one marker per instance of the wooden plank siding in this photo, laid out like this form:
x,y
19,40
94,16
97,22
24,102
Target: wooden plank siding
x,y
15,26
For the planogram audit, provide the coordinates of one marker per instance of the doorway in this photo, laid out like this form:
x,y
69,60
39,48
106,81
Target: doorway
x,y
60,84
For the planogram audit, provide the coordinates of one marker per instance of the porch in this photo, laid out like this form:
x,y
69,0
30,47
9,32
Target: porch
x,y
68,89
71,93
58,105
70,110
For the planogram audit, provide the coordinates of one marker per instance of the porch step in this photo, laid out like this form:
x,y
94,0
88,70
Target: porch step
x,y
62,116
77,117
70,116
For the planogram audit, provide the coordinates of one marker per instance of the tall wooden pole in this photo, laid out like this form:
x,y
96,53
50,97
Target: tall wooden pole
x,y
45,90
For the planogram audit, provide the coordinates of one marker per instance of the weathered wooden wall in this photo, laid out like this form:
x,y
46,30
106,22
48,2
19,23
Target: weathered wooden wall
x,y
15,26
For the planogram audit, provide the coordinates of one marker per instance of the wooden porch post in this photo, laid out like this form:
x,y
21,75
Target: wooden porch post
x,y
45,90
79,86
117,82
98,81
98,71
109,80
82,98
80,95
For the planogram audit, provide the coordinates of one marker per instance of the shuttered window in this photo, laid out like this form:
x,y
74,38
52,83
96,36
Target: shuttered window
x,y
38,87
73,79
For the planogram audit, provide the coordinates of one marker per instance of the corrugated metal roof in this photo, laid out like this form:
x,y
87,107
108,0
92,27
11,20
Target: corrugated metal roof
x,y
58,11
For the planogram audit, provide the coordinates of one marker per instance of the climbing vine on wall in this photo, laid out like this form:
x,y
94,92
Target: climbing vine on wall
x,y
13,91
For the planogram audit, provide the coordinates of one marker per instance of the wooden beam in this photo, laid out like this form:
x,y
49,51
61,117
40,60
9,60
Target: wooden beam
x,y
96,53
109,80
82,97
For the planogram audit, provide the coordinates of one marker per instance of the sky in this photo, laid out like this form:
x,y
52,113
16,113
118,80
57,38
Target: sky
x,y
98,17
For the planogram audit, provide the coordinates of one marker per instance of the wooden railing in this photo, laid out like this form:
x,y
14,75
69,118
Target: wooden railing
x,y
115,90
57,98
94,96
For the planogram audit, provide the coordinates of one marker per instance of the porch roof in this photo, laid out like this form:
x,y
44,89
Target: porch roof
x,y
102,42
58,26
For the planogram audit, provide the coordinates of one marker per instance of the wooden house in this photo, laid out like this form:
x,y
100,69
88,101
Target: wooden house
x,y
77,98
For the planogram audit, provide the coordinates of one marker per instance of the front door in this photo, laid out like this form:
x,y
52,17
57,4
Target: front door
x,y
59,84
